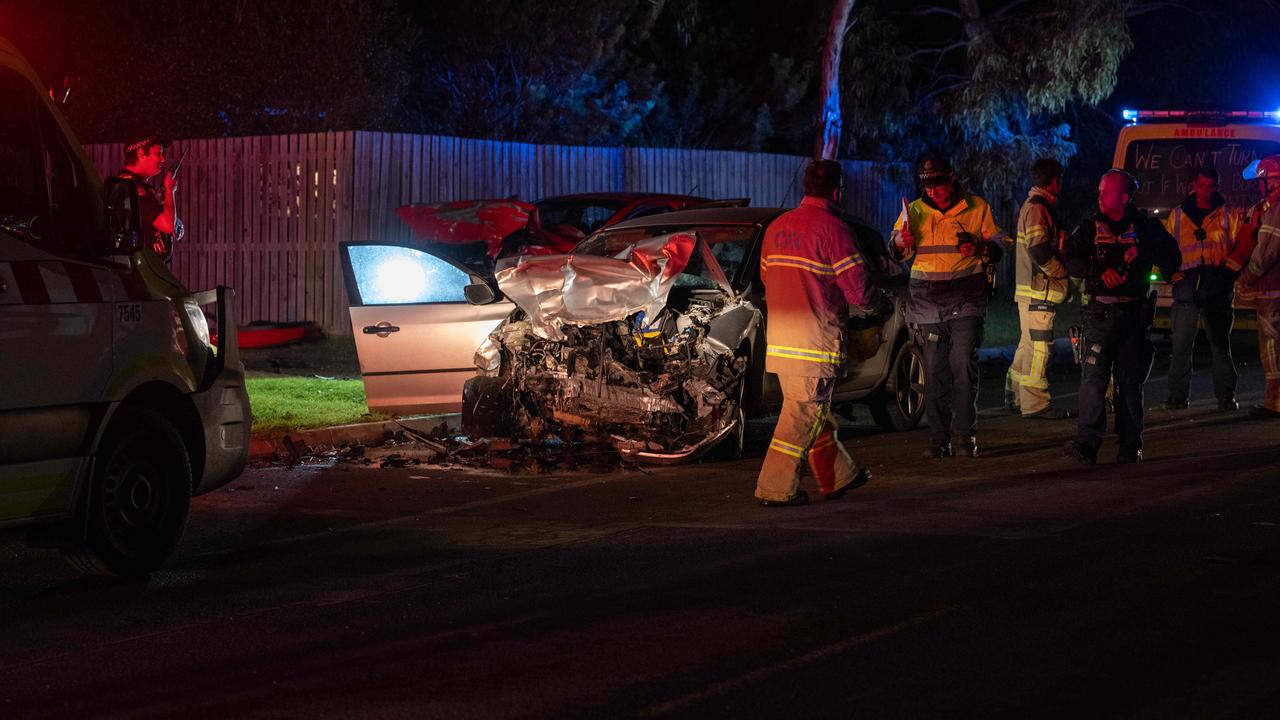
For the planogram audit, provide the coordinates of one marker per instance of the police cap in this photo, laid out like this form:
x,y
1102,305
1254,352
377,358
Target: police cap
x,y
142,141
934,170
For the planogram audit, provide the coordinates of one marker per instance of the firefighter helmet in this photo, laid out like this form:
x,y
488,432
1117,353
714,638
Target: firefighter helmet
x,y
934,170
1263,168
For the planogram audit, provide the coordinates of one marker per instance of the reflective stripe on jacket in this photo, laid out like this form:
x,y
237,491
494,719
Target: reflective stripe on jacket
x,y
1040,276
812,272
1263,268
1219,227
936,255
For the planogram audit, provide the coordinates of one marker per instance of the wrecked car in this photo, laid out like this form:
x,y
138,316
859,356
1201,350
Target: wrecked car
x,y
650,335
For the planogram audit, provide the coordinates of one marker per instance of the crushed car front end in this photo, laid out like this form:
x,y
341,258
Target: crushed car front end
x,y
636,349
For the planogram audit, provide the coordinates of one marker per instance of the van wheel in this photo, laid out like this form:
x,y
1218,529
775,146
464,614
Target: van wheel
x,y
900,404
138,497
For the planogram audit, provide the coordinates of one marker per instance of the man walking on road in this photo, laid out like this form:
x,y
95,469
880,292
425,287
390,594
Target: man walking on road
x,y
1203,289
1260,282
812,273
1041,286
952,241
1114,252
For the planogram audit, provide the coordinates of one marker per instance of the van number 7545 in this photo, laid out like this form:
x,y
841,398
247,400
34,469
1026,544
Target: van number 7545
x,y
129,313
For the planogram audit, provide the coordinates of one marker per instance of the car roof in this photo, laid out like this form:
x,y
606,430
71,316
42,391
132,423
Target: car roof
x,y
627,196
716,215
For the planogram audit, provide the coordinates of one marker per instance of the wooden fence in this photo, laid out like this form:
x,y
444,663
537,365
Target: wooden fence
x,y
265,214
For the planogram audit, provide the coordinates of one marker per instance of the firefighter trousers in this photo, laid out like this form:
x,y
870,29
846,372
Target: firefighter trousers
x,y
1027,382
1218,316
951,377
1115,341
805,435
1269,349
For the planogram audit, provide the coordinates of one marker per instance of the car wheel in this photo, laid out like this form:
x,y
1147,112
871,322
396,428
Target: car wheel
x,y
138,497
734,445
900,404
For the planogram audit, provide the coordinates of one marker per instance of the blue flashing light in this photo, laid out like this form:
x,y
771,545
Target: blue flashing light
x,y
1129,115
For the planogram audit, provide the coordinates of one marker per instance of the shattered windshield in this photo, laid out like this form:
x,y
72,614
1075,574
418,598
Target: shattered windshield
x,y
730,244
585,215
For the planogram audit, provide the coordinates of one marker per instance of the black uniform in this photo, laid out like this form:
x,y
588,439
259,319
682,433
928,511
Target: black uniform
x,y
1116,322
150,205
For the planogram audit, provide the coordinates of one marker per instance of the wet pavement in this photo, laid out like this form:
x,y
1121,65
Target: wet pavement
x,y
1013,584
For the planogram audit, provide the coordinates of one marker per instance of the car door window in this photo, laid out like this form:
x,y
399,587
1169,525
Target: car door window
x,y
395,275
23,203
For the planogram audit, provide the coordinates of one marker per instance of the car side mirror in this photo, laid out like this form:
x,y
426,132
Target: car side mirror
x,y
480,294
122,234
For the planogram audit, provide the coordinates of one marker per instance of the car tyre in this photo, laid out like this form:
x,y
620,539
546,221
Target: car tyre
x,y
138,499
899,405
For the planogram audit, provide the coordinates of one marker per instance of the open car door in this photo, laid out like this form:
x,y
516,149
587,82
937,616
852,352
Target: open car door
x,y
416,333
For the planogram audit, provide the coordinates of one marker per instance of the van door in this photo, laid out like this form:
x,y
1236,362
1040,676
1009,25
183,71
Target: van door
x,y
416,334
55,331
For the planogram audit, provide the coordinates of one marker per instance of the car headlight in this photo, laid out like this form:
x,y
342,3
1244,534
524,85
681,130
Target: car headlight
x,y
488,357
199,324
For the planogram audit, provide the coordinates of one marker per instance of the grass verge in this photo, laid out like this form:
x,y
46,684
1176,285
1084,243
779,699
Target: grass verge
x,y
285,403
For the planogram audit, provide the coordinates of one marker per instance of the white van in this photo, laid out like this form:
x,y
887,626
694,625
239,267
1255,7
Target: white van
x,y
116,403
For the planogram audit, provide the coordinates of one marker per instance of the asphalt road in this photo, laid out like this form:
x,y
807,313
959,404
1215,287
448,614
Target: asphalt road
x,y
1015,584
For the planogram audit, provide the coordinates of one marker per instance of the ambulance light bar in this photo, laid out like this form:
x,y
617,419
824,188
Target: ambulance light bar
x,y
1134,116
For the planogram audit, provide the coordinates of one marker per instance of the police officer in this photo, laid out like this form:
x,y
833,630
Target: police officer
x,y
143,160
1260,277
812,273
1204,226
952,242
1041,284
1114,252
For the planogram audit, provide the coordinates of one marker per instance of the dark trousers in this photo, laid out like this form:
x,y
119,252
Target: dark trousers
x,y
951,376
1218,317
1115,341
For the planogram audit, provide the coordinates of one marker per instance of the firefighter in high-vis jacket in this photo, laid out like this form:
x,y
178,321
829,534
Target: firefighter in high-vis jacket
x,y
1114,252
1260,279
952,242
1203,289
1041,285
143,160
812,273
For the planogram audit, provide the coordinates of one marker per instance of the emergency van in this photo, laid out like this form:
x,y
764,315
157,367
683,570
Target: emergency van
x,y
1163,149
117,404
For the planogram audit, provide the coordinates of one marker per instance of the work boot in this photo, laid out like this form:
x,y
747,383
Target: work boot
x,y
862,478
1129,456
966,446
1050,413
1176,404
1078,452
800,498
938,450
1261,412
1228,405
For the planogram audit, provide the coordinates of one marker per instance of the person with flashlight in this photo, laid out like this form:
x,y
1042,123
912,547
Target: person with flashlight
x,y
1114,252
952,242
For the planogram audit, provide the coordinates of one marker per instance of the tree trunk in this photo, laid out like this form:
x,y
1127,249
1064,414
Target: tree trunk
x,y
829,118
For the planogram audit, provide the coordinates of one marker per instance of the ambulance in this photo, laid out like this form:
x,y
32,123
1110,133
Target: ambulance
x,y
117,403
1163,149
